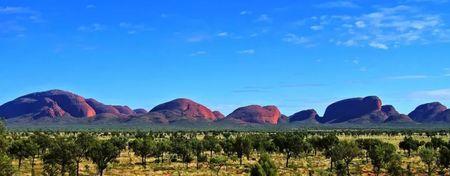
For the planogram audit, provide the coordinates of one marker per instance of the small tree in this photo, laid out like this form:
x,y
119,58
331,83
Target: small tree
x,y
394,167
216,163
435,143
61,153
84,142
22,149
102,153
444,158
242,146
381,155
367,145
428,156
327,143
292,145
211,144
6,167
162,147
182,148
345,151
409,144
42,140
198,147
143,147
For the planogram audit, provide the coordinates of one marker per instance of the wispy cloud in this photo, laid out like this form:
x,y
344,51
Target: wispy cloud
x,y
316,27
222,34
247,51
382,27
403,77
198,53
197,38
429,1
11,27
438,94
338,4
378,45
18,20
298,40
90,6
134,28
264,18
15,10
302,85
94,27
245,12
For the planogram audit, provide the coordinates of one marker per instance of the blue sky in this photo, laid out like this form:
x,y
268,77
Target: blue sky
x,y
225,54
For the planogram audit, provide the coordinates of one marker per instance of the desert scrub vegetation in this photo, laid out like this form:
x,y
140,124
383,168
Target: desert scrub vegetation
x,y
224,153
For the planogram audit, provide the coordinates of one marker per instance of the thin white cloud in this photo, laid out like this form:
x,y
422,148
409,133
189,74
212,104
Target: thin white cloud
x,y
295,39
264,18
382,28
348,43
360,24
338,4
438,94
197,38
316,27
90,6
198,53
378,45
222,34
247,51
245,12
95,27
15,10
403,77
134,28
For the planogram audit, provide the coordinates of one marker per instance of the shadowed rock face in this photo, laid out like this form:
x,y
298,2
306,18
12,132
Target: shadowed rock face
x,y
350,109
309,115
101,108
184,108
427,112
51,103
283,119
389,110
256,114
400,118
443,116
218,115
140,111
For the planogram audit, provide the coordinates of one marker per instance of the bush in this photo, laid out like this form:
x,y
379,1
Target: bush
x,y
264,167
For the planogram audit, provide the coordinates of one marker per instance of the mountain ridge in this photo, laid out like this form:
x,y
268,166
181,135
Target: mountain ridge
x,y
361,110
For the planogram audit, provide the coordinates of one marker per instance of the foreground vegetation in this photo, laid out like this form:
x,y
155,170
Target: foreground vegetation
x,y
224,153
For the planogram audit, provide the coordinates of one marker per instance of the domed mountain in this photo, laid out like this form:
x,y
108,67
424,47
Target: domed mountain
x,y
355,110
51,103
394,116
428,113
308,116
183,108
256,114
